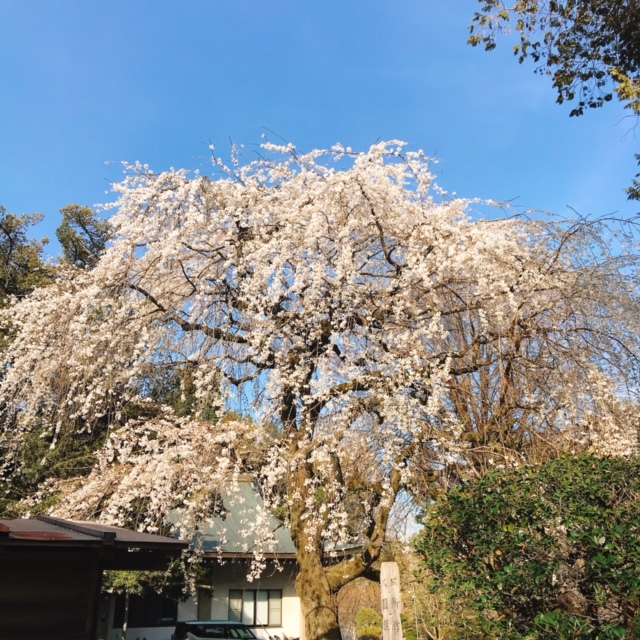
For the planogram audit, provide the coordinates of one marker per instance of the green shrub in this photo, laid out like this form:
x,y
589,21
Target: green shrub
x,y
544,552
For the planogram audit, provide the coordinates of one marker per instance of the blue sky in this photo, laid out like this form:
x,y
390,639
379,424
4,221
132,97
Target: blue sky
x,y
86,85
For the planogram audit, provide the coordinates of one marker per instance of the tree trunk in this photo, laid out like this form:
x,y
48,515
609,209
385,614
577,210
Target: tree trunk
x,y
316,585
319,608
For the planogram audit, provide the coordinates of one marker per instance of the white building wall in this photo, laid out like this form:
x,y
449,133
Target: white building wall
x,y
233,575
187,610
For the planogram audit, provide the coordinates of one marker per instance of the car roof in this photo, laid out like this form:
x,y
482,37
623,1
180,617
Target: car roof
x,y
231,622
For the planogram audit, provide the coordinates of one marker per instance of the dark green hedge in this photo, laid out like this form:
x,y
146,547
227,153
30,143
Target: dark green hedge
x,y
544,552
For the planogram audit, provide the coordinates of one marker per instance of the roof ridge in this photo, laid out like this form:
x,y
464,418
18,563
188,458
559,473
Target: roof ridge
x,y
108,537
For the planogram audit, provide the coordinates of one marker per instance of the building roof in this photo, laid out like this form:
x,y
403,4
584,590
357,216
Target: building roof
x,y
232,535
120,548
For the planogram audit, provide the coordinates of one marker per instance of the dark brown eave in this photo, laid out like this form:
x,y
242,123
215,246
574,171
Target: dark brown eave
x,y
107,537
284,557
116,548
233,555
118,536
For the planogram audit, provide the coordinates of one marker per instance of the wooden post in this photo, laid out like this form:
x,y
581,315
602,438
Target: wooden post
x,y
391,601
125,624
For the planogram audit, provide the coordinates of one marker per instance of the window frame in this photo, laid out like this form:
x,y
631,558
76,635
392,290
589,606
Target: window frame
x,y
238,613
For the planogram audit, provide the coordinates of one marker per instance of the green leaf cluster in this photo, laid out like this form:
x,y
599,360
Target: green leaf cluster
x,y
544,552
169,583
590,48
37,461
582,44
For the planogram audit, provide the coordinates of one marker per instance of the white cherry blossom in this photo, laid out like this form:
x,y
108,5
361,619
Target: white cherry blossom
x,y
372,326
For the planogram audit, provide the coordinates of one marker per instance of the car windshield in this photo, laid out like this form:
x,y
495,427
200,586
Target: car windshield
x,y
222,631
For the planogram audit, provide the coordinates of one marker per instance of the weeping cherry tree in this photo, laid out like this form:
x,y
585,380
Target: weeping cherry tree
x,y
362,320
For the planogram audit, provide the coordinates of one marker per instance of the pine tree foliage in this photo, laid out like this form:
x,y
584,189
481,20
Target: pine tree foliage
x,y
22,266
82,235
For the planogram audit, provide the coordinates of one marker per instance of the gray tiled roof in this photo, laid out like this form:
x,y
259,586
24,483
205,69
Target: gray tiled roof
x,y
234,534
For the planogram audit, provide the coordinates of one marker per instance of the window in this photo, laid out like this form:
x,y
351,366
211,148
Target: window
x,y
256,607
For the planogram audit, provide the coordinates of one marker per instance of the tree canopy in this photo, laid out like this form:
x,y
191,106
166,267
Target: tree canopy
x,y
587,47
22,266
591,49
82,235
369,329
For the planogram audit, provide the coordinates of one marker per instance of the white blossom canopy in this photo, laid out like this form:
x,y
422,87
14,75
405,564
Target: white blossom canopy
x,y
360,314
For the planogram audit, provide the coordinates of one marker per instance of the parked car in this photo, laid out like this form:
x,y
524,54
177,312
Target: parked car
x,y
219,629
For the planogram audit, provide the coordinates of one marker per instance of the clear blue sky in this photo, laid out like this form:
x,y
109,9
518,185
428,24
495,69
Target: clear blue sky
x,y
84,84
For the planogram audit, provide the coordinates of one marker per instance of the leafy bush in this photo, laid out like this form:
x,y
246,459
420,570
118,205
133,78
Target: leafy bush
x,y
544,552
